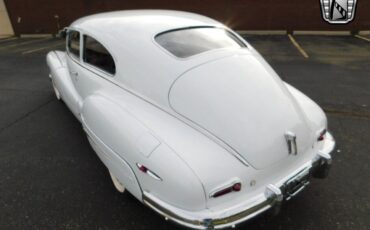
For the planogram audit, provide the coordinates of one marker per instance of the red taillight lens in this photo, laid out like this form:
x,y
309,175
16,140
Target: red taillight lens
x,y
223,192
237,187
322,135
143,168
234,188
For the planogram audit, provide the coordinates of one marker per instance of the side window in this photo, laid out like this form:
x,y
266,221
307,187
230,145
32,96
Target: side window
x,y
97,55
73,43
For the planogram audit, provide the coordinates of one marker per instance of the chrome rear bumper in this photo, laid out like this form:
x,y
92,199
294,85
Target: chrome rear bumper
x,y
273,196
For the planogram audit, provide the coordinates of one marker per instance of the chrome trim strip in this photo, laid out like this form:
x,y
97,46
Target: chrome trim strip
x,y
209,223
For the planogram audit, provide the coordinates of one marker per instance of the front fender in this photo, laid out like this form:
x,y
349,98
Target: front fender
x,y
56,61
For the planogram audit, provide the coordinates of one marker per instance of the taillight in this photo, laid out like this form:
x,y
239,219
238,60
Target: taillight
x,y
142,168
322,135
145,170
237,187
233,188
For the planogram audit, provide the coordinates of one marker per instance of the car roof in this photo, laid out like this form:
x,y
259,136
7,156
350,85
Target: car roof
x,y
146,22
142,65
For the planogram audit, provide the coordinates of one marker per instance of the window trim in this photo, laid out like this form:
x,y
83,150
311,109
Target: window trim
x,y
70,54
234,35
91,67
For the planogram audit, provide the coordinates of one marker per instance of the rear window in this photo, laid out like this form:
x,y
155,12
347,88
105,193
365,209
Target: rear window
x,y
187,42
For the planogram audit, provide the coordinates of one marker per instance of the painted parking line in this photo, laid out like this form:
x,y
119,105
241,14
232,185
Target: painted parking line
x,y
43,48
299,48
41,44
362,37
8,39
23,43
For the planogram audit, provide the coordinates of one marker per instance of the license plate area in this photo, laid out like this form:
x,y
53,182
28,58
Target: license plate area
x,y
296,184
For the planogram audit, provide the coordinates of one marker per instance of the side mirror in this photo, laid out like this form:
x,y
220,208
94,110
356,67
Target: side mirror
x,y
62,33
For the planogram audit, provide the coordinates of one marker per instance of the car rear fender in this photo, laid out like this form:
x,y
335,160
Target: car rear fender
x,y
314,114
121,139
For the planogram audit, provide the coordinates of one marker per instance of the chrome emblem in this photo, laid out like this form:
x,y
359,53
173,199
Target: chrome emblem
x,y
338,11
292,144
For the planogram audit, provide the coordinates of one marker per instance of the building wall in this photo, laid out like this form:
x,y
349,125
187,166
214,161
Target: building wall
x,y
45,16
5,26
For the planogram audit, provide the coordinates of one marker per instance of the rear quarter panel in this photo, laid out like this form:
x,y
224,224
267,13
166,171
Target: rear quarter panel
x,y
120,137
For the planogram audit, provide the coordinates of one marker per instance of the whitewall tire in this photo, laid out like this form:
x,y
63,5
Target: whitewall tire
x,y
56,91
120,188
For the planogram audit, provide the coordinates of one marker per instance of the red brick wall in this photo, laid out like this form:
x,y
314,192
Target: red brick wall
x,y
37,16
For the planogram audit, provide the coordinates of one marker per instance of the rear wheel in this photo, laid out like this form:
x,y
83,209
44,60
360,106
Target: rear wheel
x,y
118,185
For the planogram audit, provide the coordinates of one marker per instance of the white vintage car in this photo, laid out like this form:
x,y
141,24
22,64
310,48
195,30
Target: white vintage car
x,y
188,117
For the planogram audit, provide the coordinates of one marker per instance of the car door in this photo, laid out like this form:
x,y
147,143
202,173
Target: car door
x,y
67,87
98,67
98,72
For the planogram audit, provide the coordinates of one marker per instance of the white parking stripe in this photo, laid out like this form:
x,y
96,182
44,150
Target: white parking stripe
x,y
362,37
299,48
8,39
42,48
24,43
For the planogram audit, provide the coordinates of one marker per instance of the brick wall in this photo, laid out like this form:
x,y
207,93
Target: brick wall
x,y
39,16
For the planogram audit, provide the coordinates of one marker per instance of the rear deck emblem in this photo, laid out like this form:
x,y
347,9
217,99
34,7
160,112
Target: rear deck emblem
x,y
338,11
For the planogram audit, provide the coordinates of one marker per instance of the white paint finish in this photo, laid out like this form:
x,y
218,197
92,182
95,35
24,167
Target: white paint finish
x,y
313,113
237,100
147,144
134,37
63,81
226,97
115,164
119,129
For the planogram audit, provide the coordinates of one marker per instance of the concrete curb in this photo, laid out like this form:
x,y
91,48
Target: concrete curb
x,y
262,32
325,33
302,32
364,32
36,35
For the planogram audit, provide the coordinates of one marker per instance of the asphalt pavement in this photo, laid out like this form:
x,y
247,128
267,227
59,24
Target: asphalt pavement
x,y
50,178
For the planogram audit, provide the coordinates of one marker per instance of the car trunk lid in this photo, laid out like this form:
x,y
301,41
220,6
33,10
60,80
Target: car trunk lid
x,y
242,102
